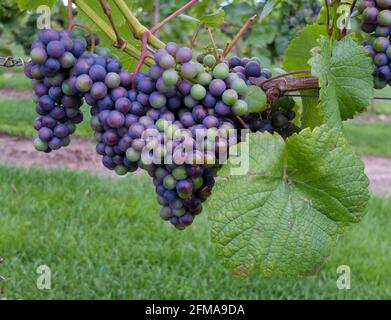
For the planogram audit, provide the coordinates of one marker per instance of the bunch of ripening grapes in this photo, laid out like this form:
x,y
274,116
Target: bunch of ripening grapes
x,y
177,121
376,17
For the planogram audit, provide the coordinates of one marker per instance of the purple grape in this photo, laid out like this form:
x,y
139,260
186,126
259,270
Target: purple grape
x,y
45,134
123,105
217,87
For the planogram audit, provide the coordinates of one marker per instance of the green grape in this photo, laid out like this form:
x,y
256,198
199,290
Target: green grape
x,y
240,108
121,170
240,86
169,182
162,124
230,97
204,78
179,173
170,77
209,60
198,92
40,145
132,155
221,71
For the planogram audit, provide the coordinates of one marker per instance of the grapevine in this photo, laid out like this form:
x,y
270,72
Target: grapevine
x,y
178,115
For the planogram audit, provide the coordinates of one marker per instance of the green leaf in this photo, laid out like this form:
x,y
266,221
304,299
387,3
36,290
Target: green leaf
x,y
214,20
345,77
268,8
298,52
311,116
34,4
256,99
283,218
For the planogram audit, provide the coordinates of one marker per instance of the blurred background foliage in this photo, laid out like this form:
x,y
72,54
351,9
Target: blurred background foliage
x,y
266,39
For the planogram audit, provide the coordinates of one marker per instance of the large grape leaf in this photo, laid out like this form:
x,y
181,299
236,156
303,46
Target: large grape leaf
x,y
345,77
298,53
285,215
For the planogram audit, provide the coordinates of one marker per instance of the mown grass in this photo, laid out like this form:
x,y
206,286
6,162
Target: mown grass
x,y
14,81
373,138
17,116
104,239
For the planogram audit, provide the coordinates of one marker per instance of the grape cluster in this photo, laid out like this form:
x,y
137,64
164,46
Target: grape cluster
x,y
53,56
177,122
376,17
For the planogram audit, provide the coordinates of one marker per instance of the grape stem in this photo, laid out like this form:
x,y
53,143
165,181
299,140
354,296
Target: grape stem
x,y
107,10
106,29
329,30
345,29
195,36
70,15
172,16
239,35
212,40
241,121
143,56
284,76
137,28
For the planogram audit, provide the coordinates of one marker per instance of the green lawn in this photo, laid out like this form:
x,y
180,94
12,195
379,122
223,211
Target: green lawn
x,y
17,116
104,239
373,138
15,81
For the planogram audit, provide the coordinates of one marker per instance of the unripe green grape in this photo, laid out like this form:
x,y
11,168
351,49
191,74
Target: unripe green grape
x,y
133,155
240,86
40,145
170,77
209,60
169,182
230,97
197,183
384,18
240,108
162,124
200,58
121,170
200,67
198,92
221,71
388,52
179,173
172,131
204,78
66,141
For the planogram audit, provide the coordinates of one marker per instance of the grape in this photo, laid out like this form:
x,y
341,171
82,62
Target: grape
x,y
61,131
221,71
209,61
98,90
38,55
170,77
252,69
234,62
97,73
230,97
198,92
123,105
112,80
381,59
166,61
184,55
204,78
240,87
55,49
189,70
83,83
157,100
381,44
240,108
217,87
384,17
